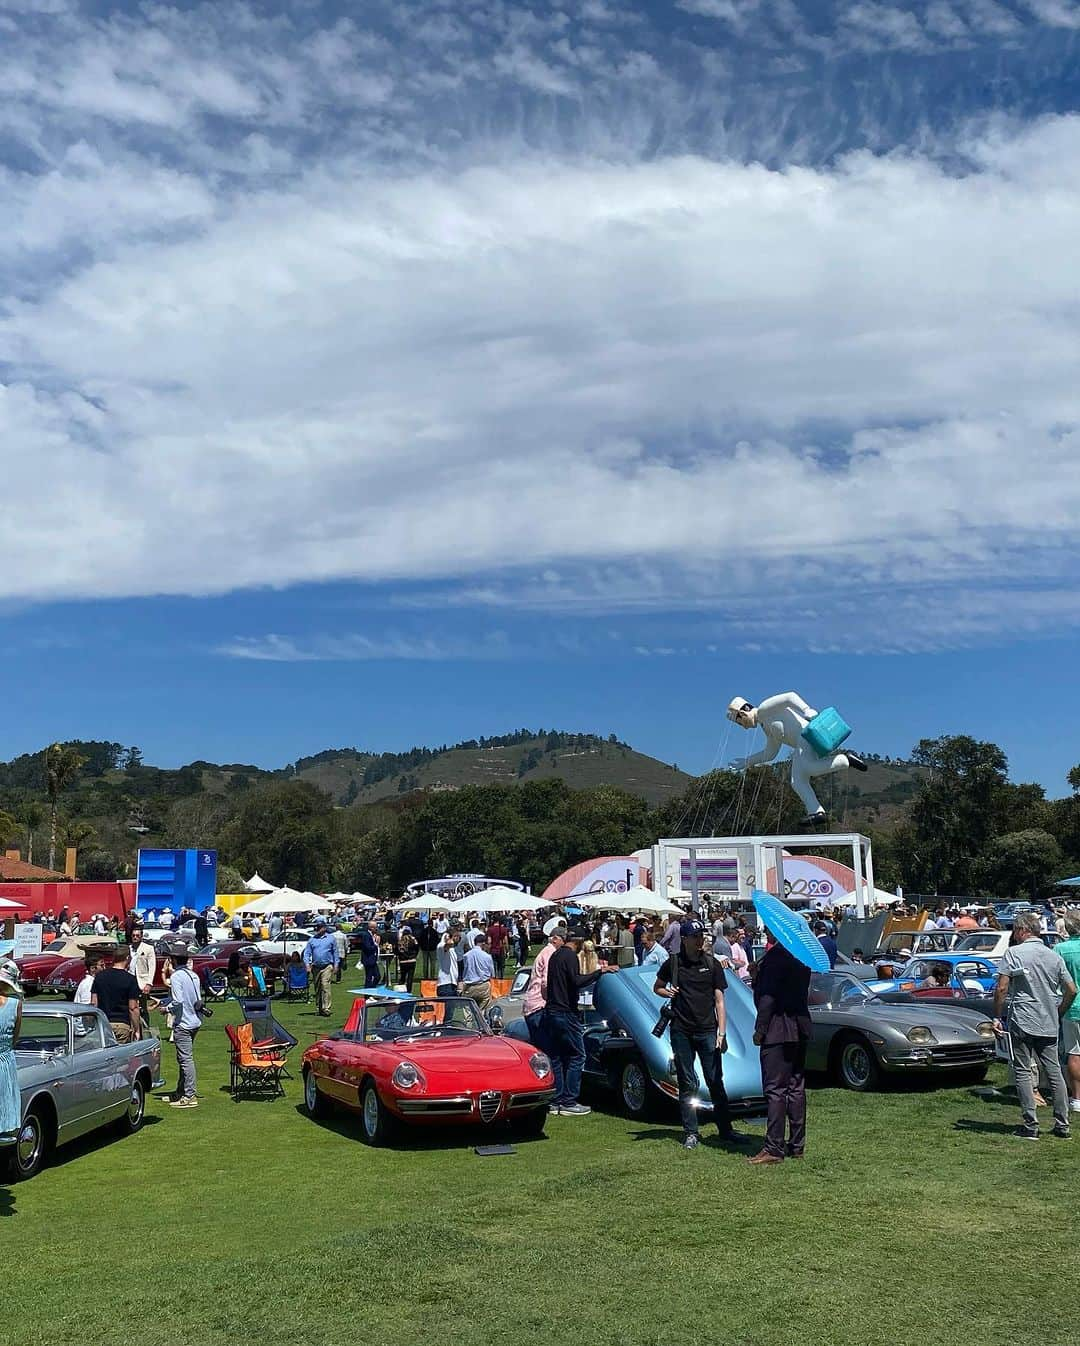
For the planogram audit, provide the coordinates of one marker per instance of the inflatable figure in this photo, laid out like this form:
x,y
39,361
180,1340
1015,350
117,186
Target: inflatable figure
x,y
812,737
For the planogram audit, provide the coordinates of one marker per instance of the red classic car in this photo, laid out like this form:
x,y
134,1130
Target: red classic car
x,y
36,968
401,1059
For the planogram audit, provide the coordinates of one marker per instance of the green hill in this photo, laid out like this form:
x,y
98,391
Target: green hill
x,y
352,777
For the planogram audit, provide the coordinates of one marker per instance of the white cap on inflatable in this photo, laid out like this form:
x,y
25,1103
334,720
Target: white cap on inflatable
x,y
738,707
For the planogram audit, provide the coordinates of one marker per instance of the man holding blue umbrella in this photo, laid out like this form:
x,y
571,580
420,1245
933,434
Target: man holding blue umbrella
x,y
783,1025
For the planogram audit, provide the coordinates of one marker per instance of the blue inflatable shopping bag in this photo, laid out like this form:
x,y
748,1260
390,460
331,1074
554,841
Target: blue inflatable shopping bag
x,y
826,731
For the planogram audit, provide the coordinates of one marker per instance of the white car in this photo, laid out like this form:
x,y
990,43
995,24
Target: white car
x,y
292,941
990,943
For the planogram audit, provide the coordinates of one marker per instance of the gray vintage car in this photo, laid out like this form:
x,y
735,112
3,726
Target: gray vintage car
x,y
74,1077
858,1036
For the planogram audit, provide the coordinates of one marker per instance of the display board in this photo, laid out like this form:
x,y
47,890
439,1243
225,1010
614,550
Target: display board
x,y
176,879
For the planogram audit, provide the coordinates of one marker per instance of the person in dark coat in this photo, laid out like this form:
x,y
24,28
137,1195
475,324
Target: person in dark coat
x,y
782,1030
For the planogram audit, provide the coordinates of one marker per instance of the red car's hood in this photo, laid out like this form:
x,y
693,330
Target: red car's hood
x,y
456,1064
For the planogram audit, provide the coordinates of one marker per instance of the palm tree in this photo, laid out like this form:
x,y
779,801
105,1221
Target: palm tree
x,y
62,765
32,816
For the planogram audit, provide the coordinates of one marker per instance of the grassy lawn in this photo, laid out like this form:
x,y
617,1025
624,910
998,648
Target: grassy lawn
x,y
913,1219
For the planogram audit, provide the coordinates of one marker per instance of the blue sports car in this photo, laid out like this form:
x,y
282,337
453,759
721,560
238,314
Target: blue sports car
x,y
622,1054
968,974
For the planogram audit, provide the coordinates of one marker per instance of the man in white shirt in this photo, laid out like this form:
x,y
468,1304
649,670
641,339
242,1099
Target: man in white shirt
x,y
142,964
477,972
84,991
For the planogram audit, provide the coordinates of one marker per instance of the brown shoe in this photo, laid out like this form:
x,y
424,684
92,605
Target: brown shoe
x,y
764,1157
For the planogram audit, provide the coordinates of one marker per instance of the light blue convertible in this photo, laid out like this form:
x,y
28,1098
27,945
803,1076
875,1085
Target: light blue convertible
x,y
622,1054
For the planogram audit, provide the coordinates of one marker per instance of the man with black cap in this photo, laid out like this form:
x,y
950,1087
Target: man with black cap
x,y
563,1033
693,983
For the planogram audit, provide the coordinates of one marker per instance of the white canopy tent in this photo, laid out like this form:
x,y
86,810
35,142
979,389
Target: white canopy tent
x,y
257,884
875,897
499,898
285,901
426,902
637,898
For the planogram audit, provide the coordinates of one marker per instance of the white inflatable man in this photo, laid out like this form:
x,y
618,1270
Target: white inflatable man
x,y
783,719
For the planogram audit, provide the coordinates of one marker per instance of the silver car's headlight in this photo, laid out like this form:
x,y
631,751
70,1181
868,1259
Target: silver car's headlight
x,y
540,1065
985,1029
407,1076
920,1034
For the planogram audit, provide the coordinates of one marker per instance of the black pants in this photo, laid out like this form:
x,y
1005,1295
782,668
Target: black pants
x,y
371,975
408,971
685,1046
783,1074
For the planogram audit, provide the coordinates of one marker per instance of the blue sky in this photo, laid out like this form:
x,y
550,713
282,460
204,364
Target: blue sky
x,y
400,373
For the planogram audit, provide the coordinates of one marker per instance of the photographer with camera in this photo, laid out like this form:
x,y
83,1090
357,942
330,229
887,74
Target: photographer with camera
x,y
693,984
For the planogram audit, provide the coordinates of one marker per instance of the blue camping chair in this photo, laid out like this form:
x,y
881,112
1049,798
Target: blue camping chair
x,y
297,983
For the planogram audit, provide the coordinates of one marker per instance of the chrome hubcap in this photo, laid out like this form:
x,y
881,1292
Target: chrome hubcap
x,y
310,1091
633,1087
135,1105
371,1112
29,1143
856,1063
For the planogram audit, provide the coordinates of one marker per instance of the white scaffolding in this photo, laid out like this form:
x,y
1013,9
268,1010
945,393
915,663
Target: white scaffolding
x,y
752,853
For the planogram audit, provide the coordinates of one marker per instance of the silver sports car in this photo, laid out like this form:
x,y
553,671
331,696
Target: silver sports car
x,y
857,1036
75,1077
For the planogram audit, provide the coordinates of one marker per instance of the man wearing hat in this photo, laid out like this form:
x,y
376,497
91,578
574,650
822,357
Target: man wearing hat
x,y
185,1004
693,983
321,957
563,1033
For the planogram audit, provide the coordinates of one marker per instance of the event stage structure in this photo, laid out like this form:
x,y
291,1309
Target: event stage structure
x,y
731,867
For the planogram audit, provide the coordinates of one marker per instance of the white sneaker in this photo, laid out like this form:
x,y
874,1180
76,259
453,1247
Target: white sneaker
x,y
1074,1104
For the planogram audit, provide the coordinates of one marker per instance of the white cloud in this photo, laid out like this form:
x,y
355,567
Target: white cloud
x,y
353,647
649,377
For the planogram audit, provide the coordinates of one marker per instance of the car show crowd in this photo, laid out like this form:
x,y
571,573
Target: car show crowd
x,y
1010,972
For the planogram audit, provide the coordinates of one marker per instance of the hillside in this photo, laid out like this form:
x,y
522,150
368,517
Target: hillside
x,y
581,760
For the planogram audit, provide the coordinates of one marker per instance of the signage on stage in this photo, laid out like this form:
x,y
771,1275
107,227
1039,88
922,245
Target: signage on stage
x,y
27,940
176,879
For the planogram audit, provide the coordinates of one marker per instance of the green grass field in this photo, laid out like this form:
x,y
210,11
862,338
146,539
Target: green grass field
x,y
915,1218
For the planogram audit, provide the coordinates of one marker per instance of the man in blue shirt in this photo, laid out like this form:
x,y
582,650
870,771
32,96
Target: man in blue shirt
x,y
477,972
826,941
321,957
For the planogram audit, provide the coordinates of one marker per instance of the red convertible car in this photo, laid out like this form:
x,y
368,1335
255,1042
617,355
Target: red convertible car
x,y
426,1062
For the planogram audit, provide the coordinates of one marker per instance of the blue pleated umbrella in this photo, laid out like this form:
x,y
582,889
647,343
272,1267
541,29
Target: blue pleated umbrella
x,y
791,931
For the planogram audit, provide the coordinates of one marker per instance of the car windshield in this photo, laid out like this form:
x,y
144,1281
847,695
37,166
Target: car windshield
x,y
412,1020
829,989
983,941
43,1033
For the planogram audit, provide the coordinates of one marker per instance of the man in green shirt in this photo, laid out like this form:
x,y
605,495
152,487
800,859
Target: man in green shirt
x,y
1069,949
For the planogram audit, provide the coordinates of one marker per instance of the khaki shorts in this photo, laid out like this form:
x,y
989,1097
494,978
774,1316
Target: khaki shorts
x,y
1070,1037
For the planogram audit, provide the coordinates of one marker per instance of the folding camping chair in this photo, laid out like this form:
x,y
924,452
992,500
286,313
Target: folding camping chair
x,y
297,983
266,1032
253,1070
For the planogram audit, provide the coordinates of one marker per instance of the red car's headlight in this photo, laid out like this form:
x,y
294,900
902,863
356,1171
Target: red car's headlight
x,y
408,1076
540,1065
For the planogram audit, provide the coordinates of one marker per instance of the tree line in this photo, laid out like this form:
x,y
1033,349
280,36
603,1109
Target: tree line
x,y
965,829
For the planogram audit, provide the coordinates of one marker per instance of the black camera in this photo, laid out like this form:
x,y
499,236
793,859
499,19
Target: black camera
x,y
666,1016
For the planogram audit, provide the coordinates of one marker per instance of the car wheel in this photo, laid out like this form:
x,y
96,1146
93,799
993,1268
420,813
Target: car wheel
x,y
376,1121
217,983
856,1065
30,1151
635,1088
316,1104
133,1116
533,1123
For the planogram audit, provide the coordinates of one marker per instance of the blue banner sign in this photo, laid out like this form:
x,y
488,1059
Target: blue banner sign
x,y
176,879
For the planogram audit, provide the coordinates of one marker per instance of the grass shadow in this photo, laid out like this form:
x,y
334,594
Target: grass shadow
x,y
421,1139
985,1128
7,1202
89,1144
